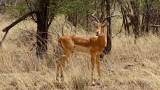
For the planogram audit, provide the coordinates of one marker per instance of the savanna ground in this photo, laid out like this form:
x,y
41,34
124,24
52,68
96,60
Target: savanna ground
x,y
129,66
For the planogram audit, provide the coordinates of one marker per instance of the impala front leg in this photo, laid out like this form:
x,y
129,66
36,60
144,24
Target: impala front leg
x,y
98,65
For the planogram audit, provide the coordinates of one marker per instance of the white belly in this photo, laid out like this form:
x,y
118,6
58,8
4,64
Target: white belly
x,y
82,49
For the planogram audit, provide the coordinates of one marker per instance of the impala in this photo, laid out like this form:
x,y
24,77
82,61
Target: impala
x,y
92,45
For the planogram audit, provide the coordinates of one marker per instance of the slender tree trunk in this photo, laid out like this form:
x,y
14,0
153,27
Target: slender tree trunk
x,y
108,47
143,24
87,21
102,9
42,28
147,17
136,19
125,21
109,32
87,16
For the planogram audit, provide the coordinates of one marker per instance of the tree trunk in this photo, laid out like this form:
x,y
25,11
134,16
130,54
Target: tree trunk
x,y
142,24
42,28
102,10
125,21
87,21
108,47
109,32
136,19
147,17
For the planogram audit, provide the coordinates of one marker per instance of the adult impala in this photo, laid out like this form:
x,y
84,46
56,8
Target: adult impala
x,y
92,45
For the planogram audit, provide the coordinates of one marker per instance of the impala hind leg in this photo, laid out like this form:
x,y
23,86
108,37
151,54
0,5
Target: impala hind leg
x,y
60,66
68,48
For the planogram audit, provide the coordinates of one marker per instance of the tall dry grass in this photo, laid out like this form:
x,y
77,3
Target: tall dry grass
x,y
129,66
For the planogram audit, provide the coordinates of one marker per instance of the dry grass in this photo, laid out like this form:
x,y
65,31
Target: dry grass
x,y
129,66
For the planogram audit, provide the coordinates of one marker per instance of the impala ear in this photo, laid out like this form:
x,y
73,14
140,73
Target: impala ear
x,y
104,25
95,23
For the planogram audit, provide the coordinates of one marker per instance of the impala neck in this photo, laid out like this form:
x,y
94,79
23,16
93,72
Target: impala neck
x,y
102,38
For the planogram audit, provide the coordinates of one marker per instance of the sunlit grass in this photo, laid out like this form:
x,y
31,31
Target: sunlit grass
x,y
129,66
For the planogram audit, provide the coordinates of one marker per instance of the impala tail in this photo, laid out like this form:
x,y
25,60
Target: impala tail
x,y
58,50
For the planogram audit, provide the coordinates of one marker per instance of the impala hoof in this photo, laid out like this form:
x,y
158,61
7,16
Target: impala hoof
x,y
95,83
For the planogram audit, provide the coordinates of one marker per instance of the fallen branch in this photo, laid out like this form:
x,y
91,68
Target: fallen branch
x,y
17,21
6,29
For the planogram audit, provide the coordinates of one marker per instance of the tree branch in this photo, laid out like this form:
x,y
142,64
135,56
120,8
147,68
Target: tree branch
x,y
17,21
30,8
50,19
14,23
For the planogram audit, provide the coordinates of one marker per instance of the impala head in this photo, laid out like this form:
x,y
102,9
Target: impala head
x,y
100,25
100,29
